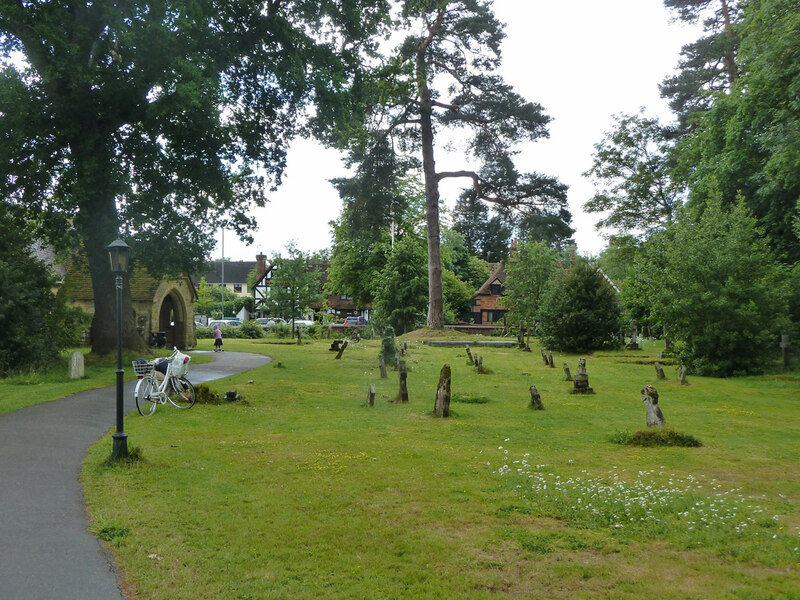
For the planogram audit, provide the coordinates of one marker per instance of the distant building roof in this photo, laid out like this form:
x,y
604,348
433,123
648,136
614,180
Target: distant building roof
x,y
499,274
236,271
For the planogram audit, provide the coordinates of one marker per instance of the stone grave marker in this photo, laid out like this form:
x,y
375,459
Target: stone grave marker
x,y
382,365
655,418
633,345
403,382
544,357
481,369
469,356
550,360
536,399
786,344
76,368
659,371
341,350
396,362
567,376
682,375
371,395
581,379
299,339
335,345
442,405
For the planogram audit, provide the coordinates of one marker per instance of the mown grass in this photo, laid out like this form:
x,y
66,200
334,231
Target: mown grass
x,y
32,387
305,493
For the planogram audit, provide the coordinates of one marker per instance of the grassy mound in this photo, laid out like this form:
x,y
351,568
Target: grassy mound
x,y
657,437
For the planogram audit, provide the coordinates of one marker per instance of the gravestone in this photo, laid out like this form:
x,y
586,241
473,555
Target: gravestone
x,y
383,367
396,362
481,369
341,350
682,375
335,345
405,346
655,418
469,356
403,382
567,376
402,351
299,339
371,395
659,371
536,399
355,336
76,369
786,344
633,345
442,405
544,357
550,360
581,379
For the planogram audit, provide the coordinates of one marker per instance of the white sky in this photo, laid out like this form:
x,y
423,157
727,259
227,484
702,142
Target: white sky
x,y
582,60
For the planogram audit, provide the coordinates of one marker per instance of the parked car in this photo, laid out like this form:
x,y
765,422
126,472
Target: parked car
x,y
355,321
269,322
225,323
301,323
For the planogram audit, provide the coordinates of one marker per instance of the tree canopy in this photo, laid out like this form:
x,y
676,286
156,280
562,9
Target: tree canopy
x,y
162,121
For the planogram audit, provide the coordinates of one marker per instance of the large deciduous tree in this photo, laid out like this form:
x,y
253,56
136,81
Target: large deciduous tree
x,y
162,120
294,286
631,170
444,75
529,269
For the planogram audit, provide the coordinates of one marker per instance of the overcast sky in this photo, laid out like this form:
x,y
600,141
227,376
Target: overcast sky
x,y
583,60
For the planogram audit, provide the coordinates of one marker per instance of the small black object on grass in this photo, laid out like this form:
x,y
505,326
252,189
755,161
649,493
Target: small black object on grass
x,y
232,396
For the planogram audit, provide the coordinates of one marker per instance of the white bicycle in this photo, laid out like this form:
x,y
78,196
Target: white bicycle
x,y
174,388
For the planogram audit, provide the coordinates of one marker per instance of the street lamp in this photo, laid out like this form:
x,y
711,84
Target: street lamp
x,y
118,252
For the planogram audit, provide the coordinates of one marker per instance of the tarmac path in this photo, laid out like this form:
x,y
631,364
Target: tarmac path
x,y
46,551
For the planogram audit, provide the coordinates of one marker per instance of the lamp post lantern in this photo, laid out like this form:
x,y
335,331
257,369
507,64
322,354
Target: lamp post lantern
x,y
118,252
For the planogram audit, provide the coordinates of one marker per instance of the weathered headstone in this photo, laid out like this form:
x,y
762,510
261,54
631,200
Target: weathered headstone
x,y
76,369
403,382
633,345
396,362
655,418
335,345
341,350
567,376
659,371
442,405
786,344
405,346
544,357
383,367
581,379
299,339
371,395
536,399
682,375
481,369
402,351
355,336
469,356
550,360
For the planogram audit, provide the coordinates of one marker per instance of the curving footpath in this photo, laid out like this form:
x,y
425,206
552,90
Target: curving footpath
x,y
46,552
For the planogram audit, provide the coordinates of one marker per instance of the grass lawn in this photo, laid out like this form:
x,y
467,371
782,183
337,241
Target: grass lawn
x,y
36,387
303,492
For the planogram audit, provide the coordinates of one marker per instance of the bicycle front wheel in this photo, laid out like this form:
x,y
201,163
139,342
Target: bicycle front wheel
x,y
181,393
146,398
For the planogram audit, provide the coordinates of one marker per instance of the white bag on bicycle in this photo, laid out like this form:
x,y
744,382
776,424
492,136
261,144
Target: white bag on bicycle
x,y
180,365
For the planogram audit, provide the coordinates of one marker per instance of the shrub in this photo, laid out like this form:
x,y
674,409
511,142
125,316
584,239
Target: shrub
x,y
656,436
388,346
251,330
580,311
205,395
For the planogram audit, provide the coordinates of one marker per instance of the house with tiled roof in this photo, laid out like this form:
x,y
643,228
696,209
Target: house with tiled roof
x,y
486,305
164,307
232,274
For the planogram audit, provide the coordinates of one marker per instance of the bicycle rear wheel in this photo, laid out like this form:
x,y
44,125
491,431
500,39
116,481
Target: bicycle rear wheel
x,y
146,398
181,393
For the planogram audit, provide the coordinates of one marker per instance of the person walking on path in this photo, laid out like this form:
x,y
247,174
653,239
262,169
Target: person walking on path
x,y
217,339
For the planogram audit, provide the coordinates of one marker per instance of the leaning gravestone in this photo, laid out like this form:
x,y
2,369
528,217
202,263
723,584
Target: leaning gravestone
x,y
442,405
544,357
341,350
655,417
335,345
567,376
76,370
682,375
659,371
469,356
536,399
550,360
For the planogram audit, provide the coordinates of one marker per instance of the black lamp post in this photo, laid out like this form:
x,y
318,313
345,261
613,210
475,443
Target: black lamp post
x,y
118,255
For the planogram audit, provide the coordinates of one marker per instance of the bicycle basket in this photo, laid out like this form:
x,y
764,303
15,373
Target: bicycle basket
x,y
142,367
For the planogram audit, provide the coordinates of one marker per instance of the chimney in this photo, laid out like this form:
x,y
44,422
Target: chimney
x,y
261,265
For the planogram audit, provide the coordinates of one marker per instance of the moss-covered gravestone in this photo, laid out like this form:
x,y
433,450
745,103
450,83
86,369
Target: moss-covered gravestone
x,y
442,405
